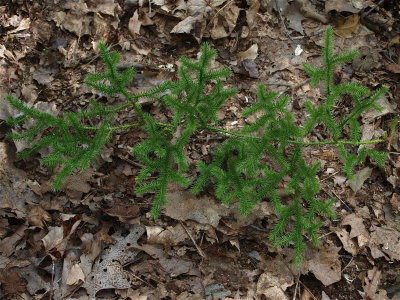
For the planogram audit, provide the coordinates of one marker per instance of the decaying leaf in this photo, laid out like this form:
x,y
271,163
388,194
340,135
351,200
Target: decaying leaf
x,y
74,20
183,205
340,6
225,21
385,242
273,283
55,240
172,265
324,263
7,245
107,272
171,236
134,24
12,283
348,27
250,53
359,178
75,275
357,229
294,17
370,285
37,216
348,244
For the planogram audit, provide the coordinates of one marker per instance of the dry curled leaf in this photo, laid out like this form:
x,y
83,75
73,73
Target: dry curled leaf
x,y
348,27
75,275
37,216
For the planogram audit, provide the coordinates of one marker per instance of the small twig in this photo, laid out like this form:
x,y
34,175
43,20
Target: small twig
x,y
212,138
308,290
136,164
330,176
351,260
217,11
324,235
282,21
279,84
194,242
309,35
258,228
373,8
142,280
296,288
344,203
52,280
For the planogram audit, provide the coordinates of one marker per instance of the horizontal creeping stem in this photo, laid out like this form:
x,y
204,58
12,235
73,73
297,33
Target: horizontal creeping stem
x,y
241,135
126,126
338,142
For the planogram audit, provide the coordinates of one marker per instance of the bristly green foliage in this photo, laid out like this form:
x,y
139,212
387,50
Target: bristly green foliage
x,y
263,161
195,99
240,172
117,81
325,113
71,144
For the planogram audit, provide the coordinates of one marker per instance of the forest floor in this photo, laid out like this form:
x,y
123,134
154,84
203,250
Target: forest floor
x,y
96,240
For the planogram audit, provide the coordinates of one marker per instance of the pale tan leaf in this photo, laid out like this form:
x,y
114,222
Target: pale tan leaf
x,y
75,275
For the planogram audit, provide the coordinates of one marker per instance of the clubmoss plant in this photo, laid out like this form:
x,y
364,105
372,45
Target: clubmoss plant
x,y
251,165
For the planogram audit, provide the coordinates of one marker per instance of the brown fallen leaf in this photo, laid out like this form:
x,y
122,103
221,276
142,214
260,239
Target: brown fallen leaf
x,y
12,284
357,229
385,242
370,285
224,21
367,60
75,275
348,244
359,178
23,25
170,236
294,17
173,266
252,14
107,7
37,216
250,53
75,19
134,24
183,205
55,239
193,25
348,27
124,211
77,184
277,277
107,271
7,245
268,286
340,6
309,11
324,263
103,234
393,68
